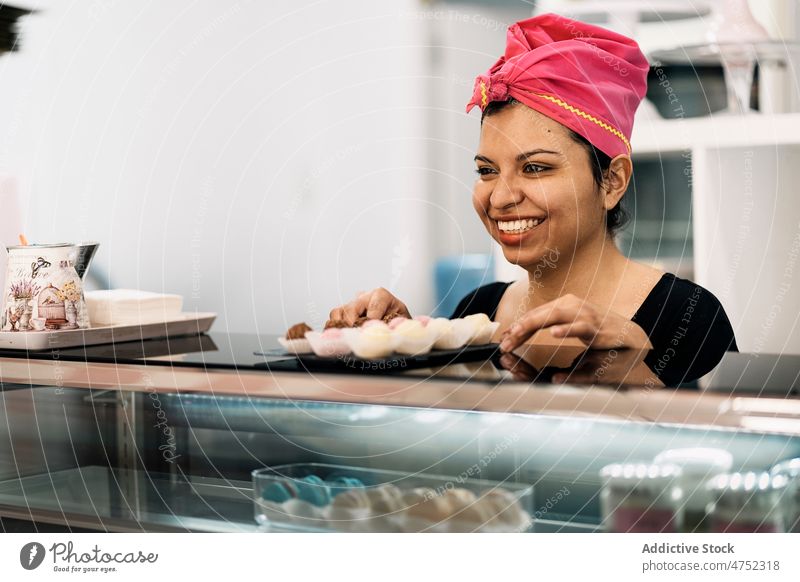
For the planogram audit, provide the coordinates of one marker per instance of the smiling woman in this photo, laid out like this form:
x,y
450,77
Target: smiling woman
x,y
553,165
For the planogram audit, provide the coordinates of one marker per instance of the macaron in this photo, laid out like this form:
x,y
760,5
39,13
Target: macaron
x,y
504,509
313,490
279,492
417,495
352,499
342,484
433,509
386,503
349,511
385,499
348,481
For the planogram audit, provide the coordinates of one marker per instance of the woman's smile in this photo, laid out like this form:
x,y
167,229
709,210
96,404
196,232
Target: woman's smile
x,y
512,231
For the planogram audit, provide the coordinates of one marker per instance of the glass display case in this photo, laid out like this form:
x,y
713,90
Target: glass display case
x,y
162,445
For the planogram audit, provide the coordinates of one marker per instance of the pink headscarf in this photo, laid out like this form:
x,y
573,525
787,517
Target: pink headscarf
x,y
585,77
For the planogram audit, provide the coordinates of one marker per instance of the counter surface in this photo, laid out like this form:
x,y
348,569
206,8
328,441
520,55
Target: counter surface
x,y
749,390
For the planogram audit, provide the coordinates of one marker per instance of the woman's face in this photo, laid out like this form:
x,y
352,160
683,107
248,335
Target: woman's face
x,y
535,192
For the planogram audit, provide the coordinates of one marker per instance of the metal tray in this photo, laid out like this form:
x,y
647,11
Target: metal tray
x,y
183,324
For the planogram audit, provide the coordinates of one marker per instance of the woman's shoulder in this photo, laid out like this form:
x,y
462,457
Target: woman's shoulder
x,y
484,299
671,293
688,328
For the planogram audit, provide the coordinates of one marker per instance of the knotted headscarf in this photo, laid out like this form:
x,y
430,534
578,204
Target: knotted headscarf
x,y
585,77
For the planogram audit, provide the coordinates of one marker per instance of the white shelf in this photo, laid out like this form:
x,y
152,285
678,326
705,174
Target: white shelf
x,y
653,137
745,215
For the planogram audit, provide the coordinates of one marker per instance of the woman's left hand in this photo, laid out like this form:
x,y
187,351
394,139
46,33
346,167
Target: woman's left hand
x,y
571,316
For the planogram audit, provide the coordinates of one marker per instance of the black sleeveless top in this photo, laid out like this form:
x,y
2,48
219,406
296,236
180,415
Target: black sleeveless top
x,y
686,324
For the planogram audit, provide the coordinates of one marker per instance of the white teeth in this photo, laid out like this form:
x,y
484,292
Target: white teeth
x,y
517,225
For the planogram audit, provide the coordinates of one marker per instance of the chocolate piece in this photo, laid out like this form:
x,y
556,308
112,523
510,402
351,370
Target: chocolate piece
x,y
390,316
358,322
297,331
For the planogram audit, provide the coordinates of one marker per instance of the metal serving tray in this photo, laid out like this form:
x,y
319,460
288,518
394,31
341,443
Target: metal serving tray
x,y
183,324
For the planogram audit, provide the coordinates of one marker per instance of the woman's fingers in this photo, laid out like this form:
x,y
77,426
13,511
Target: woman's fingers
x,y
398,309
553,313
354,310
372,304
573,377
349,312
379,303
384,303
519,368
582,330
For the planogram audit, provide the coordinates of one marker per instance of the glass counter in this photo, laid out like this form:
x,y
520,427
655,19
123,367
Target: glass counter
x,y
163,435
148,459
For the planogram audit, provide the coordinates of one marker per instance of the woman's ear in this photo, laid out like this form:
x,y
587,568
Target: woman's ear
x,y
617,178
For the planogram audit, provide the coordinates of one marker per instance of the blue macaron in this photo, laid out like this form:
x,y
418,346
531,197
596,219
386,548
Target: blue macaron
x,y
279,492
313,490
342,484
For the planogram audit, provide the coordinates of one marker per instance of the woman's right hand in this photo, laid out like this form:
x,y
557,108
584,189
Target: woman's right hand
x,y
375,304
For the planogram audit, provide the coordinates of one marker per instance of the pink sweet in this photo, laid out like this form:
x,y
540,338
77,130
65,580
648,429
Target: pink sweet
x,y
373,323
423,319
332,333
397,321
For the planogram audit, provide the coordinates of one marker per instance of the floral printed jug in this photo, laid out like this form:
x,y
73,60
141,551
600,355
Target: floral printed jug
x,y
44,287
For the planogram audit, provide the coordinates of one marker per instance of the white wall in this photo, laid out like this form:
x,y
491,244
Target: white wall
x,y
468,39
261,158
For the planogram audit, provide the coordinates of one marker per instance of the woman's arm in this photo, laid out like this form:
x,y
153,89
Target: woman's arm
x,y
571,316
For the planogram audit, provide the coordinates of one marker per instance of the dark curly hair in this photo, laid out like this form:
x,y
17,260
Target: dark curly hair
x,y
617,217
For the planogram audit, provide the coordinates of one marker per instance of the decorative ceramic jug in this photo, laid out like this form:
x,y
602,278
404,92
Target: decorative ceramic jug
x,y
44,287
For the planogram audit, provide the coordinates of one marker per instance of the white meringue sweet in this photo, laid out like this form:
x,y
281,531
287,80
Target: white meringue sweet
x,y
371,343
412,338
329,343
506,513
466,512
397,321
451,334
296,347
386,501
349,511
429,513
482,329
306,514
